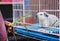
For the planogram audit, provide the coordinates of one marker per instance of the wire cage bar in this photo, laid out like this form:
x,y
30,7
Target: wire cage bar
x,y
25,11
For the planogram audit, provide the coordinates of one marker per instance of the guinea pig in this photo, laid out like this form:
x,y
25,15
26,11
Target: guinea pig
x,y
47,20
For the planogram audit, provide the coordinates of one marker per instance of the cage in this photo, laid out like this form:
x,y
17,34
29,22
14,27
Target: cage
x,y
25,11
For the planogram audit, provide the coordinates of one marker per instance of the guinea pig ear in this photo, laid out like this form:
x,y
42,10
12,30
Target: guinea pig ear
x,y
45,15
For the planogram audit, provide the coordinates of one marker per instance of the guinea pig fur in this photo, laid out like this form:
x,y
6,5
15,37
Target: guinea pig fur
x,y
47,19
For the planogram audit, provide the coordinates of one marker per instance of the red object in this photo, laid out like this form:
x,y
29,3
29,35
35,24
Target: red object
x,y
11,0
28,20
0,0
6,0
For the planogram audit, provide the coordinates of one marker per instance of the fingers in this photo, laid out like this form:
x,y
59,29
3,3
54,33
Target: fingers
x,y
7,23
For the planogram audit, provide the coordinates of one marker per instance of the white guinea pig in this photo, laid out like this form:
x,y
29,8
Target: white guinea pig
x,y
47,20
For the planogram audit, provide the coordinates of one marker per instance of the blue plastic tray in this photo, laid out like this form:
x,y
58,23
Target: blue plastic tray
x,y
36,34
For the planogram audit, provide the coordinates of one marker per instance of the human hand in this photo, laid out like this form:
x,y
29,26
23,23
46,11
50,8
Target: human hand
x,y
9,26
